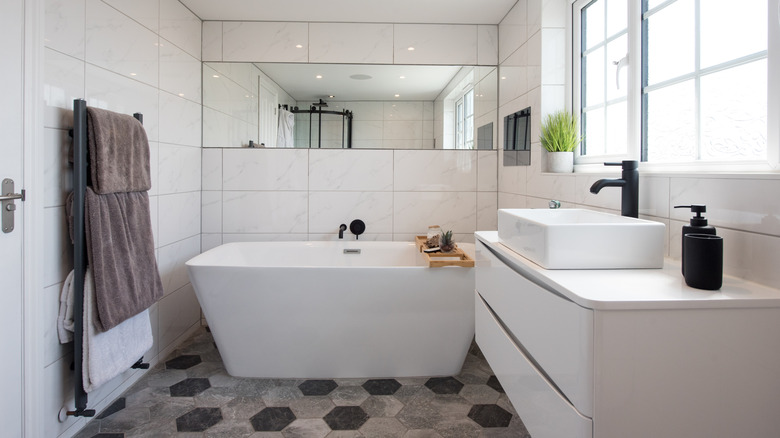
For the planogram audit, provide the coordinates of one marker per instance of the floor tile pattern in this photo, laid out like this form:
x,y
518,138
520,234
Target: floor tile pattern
x,y
191,395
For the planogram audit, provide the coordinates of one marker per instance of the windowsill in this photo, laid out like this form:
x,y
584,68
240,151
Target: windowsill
x,y
759,171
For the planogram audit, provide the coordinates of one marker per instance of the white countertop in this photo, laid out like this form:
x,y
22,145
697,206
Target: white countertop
x,y
622,289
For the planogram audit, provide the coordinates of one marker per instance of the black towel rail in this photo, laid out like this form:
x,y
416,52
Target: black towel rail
x,y
80,181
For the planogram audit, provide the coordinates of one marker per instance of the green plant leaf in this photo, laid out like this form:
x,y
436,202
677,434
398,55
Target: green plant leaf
x,y
560,132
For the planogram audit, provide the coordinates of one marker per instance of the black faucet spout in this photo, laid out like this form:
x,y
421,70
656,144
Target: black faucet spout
x,y
600,184
629,185
342,228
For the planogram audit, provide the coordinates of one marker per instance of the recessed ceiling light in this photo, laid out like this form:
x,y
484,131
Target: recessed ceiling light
x,y
410,48
298,46
503,77
181,94
397,95
133,74
214,76
318,76
402,77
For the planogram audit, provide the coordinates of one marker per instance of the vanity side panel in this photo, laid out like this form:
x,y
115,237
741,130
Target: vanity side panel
x,y
687,373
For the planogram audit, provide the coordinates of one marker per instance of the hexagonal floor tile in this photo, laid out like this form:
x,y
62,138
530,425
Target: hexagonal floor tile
x,y
381,386
495,384
189,387
183,362
444,385
346,418
198,419
317,387
272,419
490,416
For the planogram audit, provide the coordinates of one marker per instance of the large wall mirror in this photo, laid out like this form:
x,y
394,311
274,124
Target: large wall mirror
x,y
358,106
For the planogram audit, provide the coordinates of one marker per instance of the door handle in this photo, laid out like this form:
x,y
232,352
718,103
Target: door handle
x,y
7,204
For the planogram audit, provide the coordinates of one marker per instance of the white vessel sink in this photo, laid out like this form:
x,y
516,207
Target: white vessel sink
x,y
582,239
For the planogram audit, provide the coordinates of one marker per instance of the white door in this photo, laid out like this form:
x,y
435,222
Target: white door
x,y
267,116
11,122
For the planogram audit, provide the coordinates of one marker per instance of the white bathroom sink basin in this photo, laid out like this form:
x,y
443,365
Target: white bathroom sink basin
x,y
582,239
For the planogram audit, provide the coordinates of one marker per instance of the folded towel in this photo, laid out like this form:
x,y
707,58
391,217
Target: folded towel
x,y
65,315
110,353
120,250
118,152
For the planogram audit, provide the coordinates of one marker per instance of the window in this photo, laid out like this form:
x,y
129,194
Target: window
x,y
696,90
464,121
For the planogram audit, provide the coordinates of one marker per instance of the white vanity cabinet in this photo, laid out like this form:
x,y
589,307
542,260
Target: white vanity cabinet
x,y
628,353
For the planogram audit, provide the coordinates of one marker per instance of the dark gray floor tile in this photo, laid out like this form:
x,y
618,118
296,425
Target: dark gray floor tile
x,y
381,386
198,419
183,362
346,418
189,387
317,387
490,416
444,385
272,419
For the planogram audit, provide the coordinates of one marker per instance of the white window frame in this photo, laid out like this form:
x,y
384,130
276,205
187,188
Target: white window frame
x,y
461,142
634,105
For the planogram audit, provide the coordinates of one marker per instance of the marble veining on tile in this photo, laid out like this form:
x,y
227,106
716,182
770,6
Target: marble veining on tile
x,y
190,394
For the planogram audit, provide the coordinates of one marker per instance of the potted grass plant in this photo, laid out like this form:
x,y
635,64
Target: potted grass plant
x,y
560,136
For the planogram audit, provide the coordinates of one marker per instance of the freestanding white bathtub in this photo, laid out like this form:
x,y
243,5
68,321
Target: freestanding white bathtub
x,y
320,310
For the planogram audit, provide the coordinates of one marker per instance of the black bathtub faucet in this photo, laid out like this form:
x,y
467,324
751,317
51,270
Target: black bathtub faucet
x,y
342,228
629,184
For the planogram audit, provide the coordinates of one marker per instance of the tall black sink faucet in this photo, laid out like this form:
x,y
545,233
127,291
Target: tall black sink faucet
x,y
628,182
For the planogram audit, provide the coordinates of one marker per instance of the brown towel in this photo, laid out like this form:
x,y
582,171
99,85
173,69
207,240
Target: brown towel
x,y
118,152
120,249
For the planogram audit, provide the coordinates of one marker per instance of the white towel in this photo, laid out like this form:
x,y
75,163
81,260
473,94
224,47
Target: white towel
x,y
106,354
284,135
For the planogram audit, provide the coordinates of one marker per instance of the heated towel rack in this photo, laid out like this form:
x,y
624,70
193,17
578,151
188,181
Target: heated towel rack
x,y
80,180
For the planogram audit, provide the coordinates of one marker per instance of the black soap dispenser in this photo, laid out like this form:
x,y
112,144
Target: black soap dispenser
x,y
698,225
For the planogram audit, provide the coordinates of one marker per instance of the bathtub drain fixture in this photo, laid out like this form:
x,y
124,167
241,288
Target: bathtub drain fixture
x,y
351,251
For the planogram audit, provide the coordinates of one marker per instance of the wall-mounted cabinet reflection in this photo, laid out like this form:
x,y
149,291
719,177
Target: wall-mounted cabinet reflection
x,y
392,106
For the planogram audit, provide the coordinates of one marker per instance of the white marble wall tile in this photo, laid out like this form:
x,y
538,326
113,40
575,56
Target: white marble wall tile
x,y
333,237
367,130
487,44
487,208
212,41
265,41
369,171
265,169
180,73
427,132
211,169
487,171
511,200
63,82
511,179
513,76
57,173
58,254
327,210
553,98
123,95
145,12
402,130
179,169
264,237
242,73
265,212
534,16
553,56
413,212
653,196
360,43
408,111
435,170
231,94
742,204
180,120
211,213
177,312
64,28
179,217
486,95
173,271
554,13
534,60
209,241
220,130
365,111
513,30
548,185
180,26
52,349
121,45
608,197
450,44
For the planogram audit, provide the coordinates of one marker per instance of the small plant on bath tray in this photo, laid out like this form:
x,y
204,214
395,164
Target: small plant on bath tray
x,y
447,244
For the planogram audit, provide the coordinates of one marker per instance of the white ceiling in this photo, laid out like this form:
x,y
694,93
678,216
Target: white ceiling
x,y
300,81
355,11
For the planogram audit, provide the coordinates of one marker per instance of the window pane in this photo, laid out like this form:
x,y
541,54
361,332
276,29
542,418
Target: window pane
x,y
594,142
670,42
616,50
593,24
671,127
617,128
730,31
593,82
734,117
617,16
653,3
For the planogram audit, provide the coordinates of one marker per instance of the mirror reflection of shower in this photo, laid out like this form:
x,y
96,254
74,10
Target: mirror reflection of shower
x,y
319,127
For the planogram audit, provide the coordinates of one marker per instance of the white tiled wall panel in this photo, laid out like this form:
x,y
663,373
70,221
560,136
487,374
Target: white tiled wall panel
x,y
435,44
358,43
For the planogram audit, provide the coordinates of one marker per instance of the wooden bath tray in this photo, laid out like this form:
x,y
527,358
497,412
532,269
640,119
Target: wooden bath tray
x,y
439,259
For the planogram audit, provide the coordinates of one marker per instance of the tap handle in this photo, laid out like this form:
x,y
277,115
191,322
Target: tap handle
x,y
625,164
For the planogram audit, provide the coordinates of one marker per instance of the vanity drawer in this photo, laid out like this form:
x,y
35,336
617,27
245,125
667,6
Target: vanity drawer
x,y
554,332
545,413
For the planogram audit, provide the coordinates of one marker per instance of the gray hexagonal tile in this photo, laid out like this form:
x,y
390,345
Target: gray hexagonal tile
x,y
490,416
198,419
382,406
346,418
317,387
272,419
307,428
383,428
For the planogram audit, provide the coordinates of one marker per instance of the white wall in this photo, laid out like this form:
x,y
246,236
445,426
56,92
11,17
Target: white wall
x,y
127,57
744,207
305,194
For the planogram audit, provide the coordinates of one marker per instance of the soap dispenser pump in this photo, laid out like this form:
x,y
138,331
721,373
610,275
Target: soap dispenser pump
x,y
698,225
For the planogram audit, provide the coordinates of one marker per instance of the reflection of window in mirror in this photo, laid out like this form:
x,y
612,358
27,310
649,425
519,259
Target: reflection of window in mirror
x,y
464,122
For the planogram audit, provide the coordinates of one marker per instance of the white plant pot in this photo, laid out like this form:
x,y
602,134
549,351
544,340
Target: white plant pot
x,y
560,162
